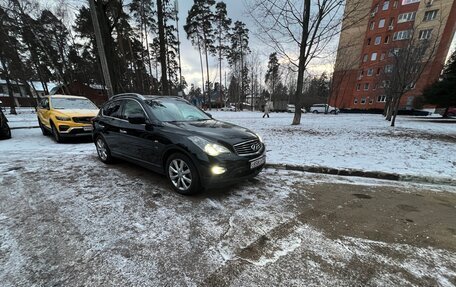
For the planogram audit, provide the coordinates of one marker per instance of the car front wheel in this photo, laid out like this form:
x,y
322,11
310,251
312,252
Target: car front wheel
x,y
315,112
182,174
43,129
56,134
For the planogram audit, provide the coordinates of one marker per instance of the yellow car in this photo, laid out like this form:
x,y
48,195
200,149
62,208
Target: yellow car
x,y
66,116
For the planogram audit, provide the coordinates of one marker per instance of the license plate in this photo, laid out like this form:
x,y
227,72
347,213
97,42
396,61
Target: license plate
x,y
257,162
88,129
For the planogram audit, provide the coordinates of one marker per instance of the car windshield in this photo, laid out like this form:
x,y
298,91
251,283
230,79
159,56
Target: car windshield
x,y
72,104
176,111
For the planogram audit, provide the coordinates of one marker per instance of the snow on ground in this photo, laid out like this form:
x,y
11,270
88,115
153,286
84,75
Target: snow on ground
x,y
416,146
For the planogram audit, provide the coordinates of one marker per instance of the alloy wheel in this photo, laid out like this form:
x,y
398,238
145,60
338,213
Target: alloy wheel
x,y
102,150
180,174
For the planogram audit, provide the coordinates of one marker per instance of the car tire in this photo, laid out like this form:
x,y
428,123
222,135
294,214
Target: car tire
x,y
43,129
182,174
315,112
57,137
333,112
6,132
103,151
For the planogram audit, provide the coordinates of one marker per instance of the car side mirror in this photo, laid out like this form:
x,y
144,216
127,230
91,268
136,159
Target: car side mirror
x,y
137,119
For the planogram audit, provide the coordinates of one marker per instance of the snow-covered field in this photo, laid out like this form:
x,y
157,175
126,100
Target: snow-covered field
x,y
416,146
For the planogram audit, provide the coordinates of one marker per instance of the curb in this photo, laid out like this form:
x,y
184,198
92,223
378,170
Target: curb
x,y
23,128
361,173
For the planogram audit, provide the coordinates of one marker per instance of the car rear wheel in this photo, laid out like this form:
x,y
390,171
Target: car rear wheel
x,y
182,174
104,154
56,134
315,112
333,112
43,129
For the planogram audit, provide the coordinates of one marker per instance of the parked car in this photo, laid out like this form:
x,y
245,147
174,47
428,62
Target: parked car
x,y
171,136
66,116
322,108
291,109
5,131
451,112
228,108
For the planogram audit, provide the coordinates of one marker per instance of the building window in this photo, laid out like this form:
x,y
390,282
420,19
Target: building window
x,y
375,86
355,101
361,74
365,58
379,70
389,69
378,40
406,17
430,15
406,2
381,99
391,24
387,39
394,52
366,86
372,25
370,72
374,57
381,23
425,34
358,87
368,41
382,57
402,35
395,4
363,100
386,5
371,101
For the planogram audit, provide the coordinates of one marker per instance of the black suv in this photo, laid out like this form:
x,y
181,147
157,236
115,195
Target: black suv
x,y
171,136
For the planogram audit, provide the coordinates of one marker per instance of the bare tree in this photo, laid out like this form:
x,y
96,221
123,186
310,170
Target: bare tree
x,y
302,28
406,63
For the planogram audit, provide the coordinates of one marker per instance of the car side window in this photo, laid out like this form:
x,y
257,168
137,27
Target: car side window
x,y
44,103
132,108
112,109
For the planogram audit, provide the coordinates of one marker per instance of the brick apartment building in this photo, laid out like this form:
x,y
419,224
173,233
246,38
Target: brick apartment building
x,y
371,31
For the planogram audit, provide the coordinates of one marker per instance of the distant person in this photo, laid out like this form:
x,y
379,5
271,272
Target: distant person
x,y
266,109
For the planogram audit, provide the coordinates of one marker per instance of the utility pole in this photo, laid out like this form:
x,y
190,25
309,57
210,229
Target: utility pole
x,y
101,50
176,10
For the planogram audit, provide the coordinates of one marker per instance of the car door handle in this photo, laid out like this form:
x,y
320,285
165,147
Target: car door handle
x,y
123,131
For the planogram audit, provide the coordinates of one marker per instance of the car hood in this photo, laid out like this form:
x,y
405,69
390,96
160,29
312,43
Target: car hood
x,y
77,113
217,131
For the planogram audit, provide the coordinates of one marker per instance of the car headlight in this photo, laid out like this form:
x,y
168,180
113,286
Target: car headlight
x,y
208,147
63,118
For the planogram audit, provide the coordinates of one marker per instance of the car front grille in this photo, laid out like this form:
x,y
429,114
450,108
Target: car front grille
x,y
82,120
248,147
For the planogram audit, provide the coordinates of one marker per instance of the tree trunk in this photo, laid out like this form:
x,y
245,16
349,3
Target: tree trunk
x,y
396,109
161,33
10,89
302,62
202,68
445,114
207,73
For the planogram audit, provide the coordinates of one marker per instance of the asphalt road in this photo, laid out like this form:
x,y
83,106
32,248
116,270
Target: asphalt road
x,y
68,220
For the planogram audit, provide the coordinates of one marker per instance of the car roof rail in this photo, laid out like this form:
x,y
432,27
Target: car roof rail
x,y
128,94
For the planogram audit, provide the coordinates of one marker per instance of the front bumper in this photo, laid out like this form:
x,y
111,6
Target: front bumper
x,y
74,130
238,168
